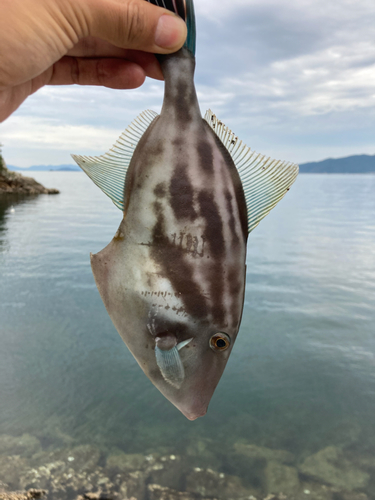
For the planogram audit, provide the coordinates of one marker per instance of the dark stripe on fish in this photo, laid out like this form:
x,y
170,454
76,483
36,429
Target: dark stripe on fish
x,y
174,267
206,158
213,233
240,197
182,194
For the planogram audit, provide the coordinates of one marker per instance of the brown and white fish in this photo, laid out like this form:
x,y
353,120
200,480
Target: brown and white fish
x,y
173,277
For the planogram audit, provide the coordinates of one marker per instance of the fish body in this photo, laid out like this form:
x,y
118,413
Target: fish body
x,y
173,277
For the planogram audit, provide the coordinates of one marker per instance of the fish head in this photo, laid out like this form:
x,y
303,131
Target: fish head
x,y
187,361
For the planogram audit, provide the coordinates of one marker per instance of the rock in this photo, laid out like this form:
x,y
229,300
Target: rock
x,y
204,453
15,183
22,495
52,435
25,445
344,433
206,482
316,491
351,495
79,458
10,470
249,461
157,492
134,486
252,453
280,478
97,496
40,477
126,462
330,466
168,471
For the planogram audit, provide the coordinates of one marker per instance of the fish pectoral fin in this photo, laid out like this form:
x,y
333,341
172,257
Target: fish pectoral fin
x,y
108,171
264,181
170,365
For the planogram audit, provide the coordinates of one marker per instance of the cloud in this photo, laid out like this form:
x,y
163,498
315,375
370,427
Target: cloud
x,y
294,80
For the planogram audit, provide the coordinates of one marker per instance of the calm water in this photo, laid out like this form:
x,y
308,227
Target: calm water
x,y
301,376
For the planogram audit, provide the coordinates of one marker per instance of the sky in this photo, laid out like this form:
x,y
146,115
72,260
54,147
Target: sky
x,y
294,80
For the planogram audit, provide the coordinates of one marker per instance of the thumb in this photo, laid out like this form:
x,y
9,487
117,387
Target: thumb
x,y
134,24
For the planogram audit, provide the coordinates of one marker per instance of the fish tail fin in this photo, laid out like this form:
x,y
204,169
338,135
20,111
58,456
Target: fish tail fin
x,y
185,9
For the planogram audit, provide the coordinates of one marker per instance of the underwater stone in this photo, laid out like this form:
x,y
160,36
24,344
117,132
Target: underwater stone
x,y
352,495
134,486
332,467
10,470
25,445
157,492
317,491
260,453
22,495
281,478
169,471
127,462
205,453
84,457
207,482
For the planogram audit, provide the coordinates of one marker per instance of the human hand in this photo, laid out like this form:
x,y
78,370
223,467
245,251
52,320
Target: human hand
x,y
85,42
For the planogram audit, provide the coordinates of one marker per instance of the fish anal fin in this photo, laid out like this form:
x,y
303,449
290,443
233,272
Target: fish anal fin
x,y
108,171
264,181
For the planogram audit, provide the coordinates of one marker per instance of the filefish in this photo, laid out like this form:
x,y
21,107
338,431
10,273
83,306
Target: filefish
x,y
173,277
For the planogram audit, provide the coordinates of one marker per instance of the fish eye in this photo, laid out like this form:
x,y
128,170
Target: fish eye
x,y
220,341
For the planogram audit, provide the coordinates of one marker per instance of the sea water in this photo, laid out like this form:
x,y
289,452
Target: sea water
x,y
301,376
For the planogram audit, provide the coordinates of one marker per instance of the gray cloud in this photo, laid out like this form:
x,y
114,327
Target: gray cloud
x,y
295,81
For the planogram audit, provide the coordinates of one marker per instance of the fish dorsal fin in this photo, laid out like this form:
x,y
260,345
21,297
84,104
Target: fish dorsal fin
x,y
265,181
108,171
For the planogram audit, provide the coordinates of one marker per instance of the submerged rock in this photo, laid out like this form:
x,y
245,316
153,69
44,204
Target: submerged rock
x,y
157,492
22,495
253,453
25,445
206,482
127,462
280,478
80,458
11,469
169,471
330,466
134,485
205,453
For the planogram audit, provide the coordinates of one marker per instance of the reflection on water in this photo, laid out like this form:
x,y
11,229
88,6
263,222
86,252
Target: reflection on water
x,y
295,408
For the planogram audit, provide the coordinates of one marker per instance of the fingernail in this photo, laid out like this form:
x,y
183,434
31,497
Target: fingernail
x,y
170,32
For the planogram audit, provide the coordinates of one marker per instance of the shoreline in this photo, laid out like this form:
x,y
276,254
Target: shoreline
x,y
14,183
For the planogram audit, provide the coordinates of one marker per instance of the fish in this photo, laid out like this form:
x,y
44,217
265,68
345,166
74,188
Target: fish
x,y
173,277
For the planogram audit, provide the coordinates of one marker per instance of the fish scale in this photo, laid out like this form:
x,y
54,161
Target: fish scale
x,y
173,277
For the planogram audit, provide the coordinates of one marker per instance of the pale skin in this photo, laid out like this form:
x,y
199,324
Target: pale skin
x,y
109,43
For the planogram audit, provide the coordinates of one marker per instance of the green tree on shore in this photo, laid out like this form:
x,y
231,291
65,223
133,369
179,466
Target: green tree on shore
x,y
2,163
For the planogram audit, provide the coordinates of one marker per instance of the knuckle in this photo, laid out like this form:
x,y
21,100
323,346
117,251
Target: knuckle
x,y
134,25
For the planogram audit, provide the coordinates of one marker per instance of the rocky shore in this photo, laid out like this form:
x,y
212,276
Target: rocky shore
x,y
245,472
15,183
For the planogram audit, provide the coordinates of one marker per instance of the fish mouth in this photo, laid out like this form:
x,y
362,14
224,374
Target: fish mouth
x,y
193,414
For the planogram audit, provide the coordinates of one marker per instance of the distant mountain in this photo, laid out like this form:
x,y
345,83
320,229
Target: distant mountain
x,y
358,164
45,168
